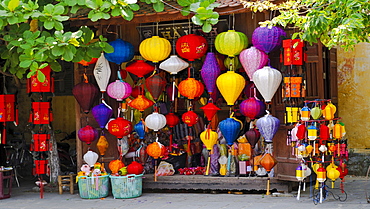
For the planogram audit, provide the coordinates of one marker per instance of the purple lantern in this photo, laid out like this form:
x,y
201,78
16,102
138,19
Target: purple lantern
x,y
268,126
102,112
210,71
268,39
230,129
119,90
253,136
88,134
251,107
252,59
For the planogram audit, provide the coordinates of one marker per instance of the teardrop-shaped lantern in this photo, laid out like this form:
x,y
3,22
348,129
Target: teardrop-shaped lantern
x,y
268,39
252,59
230,84
102,112
231,43
191,88
119,127
119,90
87,63
172,120
268,126
140,68
251,107
123,51
210,110
90,158
191,47
210,71
209,138
156,150
102,145
190,118
102,72
173,65
136,91
155,49
140,129
253,136
155,121
155,85
88,134
267,81
316,112
141,103
85,94
230,129
268,161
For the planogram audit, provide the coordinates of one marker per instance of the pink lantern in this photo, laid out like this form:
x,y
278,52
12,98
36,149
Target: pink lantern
x,y
119,90
252,59
251,108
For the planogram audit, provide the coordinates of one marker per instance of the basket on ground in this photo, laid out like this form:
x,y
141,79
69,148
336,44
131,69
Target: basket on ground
x,y
127,186
93,187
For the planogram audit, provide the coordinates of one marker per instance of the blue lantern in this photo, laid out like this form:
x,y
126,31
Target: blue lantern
x,y
140,129
230,129
123,52
102,113
268,126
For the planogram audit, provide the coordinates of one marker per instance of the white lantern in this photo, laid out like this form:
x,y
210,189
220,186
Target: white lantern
x,y
102,72
267,81
173,65
155,121
91,157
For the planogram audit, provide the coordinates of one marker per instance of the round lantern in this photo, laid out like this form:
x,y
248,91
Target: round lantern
x,y
102,113
102,145
155,121
90,158
267,81
231,43
123,51
85,94
191,88
210,110
190,118
136,91
155,85
209,138
173,65
120,127
253,136
210,71
119,90
230,128
141,103
230,84
135,168
191,47
155,49
156,150
140,68
102,72
172,120
88,134
87,63
251,107
252,59
140,129
268,126
268,162
268,39
115,165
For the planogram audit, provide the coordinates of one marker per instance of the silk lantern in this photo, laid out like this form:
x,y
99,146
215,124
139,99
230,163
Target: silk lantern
x,y
102,72
87,63
155,49
268,162
119,127
141,103
155,121
231,43
85,94
173,65
155,85
90,158
209,138
301,131
123,52
210,110
267,81
230,84
140,129
115,166
140,68
190,118
119,90
251,107
253,136
252,59
230,128
102,112
268,39
191,88
135,168
88,134
102,145
172,120
268,126
210,71
191,47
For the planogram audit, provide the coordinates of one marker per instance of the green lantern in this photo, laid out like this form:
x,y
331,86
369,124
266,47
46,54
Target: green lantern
x,y
231,43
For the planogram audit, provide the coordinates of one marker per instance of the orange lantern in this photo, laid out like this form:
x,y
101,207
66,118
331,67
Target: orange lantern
x,y
156,150
141,103
268,162
102,145
191,88
115,165
87,63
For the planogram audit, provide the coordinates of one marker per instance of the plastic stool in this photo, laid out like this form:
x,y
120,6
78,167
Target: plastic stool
x,y
67,180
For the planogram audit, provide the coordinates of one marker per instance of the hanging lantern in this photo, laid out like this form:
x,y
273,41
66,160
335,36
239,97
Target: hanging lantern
x,y
210,110
329,111
231,43
268,126
251,107
230,84
301,131
292,87
135,168
85,94
136,91
102,145
90,158
268,162
102,112
299,173
252,59
119,90
268,39
316,112
209,138
230,128
119,127
140,129
172,120
34,85
173,65
87,63
116,165
155,121
337,132
332,174
305,113
141,103
321,174
190,118
155,85
324,132
191,47
156,150
210,71
150,97
41,113
253,136
123,52
312,132
7,108
291,114
155,49
102,72
191,88
140,68
232,63
267,81
88,134
293,52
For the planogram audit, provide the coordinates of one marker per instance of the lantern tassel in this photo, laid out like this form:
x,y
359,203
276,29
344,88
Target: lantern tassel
x,y
155,169
208,163
268,185
299,191
171,139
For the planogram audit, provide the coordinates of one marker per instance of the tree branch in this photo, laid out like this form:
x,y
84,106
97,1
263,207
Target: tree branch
x,y
16,79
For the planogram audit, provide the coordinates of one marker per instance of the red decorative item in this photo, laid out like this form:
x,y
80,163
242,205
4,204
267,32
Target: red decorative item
x,y
34,85
191,47
268,162
210,110
324,133
190,118
7,108
41,166
191,88
87,63
120,127
136,91
41,142
293,52
85,94
88,134
141,103
172,119
41,113
140,68
135,168
301,132
155,85
253,136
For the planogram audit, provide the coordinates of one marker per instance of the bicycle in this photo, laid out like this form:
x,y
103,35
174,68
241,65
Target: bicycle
x,y
325,192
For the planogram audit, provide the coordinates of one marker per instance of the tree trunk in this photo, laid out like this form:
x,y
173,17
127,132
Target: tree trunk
x,y
54,159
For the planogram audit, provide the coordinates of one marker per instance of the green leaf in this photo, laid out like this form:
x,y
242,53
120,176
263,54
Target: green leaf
x,y
12,20
94,51
213,21
204,4
68,55
183,3
13,4
92,4
40,76
158,7
128,14
74,9
196,20
48,9
60,18
95,15
25,63
57,50
26,46
55,66
49,25
58,26
59,9
116,11
207,27
134,7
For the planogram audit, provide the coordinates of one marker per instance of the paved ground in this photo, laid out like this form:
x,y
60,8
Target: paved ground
x,y
24,197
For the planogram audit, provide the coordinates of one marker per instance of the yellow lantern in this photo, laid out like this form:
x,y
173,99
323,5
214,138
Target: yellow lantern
x,y
305,113
230,84
231,43
337,133
291,114
209,138
329,111
102,145
332,173
155,49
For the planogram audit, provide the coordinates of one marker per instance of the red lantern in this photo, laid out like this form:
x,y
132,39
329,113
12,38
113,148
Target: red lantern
x,y
85,94
210,110
301,132
135,168
120,127
155,85
324,133
172,119
293,52
7,108
190,118
191,46
87,63
191,88
41,167
88,134
34,85
137,90
41,113
141,103
40,142
140,68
